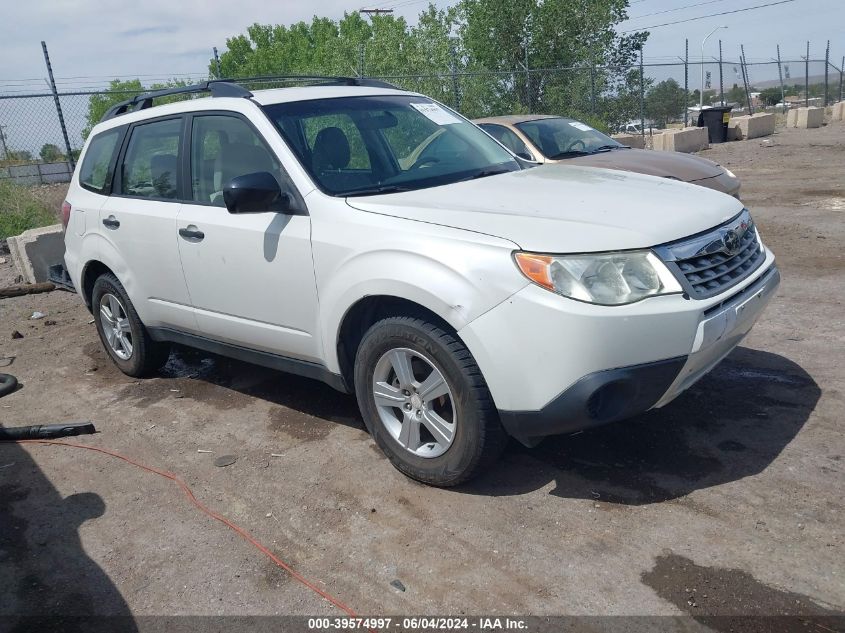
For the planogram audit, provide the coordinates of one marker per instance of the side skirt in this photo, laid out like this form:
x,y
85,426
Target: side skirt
x,y
304,368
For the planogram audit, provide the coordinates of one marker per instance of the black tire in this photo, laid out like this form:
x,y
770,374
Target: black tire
x,y
8,384
147,355
479,437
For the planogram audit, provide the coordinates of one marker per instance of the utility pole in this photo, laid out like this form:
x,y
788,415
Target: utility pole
x,y
217,62
58,106
372,12
780,76
721,77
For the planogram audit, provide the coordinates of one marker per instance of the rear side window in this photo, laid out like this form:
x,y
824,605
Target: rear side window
x,y
94,174
151,163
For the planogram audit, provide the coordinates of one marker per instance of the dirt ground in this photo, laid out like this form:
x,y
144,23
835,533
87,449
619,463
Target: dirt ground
x,y
729,501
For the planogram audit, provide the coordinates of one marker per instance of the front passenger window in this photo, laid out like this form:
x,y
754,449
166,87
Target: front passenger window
x,y
150,168
222,148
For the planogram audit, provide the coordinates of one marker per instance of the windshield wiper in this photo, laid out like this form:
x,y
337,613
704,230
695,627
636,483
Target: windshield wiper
x,y
570,154
488,172
607,148
373,191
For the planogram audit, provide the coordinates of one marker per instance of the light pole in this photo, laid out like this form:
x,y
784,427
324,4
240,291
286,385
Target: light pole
x,y
703,42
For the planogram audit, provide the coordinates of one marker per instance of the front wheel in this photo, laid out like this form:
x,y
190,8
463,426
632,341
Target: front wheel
x,y
425,402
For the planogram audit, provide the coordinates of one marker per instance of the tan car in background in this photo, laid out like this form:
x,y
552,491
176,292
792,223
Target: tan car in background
x,y
553,139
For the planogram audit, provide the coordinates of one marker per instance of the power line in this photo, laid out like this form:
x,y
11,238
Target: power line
x,y
712,15
689,6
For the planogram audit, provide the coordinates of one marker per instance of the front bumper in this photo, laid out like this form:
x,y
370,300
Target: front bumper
x,y
554,365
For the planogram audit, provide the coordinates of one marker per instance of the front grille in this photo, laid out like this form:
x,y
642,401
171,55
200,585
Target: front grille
x,y
712,262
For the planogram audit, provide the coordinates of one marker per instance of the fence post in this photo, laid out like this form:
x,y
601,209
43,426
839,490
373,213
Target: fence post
x,y
642,97
745,79
58,105
807,77
721,77
686,82
5,150
527,75
456,88
826,66
780,76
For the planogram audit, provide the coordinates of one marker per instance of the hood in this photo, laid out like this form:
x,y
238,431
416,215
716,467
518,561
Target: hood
x,y
564,208
685,167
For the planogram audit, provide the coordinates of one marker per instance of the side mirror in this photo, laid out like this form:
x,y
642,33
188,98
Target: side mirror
x,y
256,193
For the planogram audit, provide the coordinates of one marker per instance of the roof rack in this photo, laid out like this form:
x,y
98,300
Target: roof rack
x,y
228,88
217,88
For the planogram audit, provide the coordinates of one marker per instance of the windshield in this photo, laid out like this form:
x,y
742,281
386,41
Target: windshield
x,y
563,138
382,144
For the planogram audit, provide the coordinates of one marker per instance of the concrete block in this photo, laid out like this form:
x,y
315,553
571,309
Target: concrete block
x,y
838,111
637,141
34,251
754,126
687,140
734,132
805,118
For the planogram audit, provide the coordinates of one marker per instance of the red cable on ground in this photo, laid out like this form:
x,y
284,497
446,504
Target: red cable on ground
x,y
217,517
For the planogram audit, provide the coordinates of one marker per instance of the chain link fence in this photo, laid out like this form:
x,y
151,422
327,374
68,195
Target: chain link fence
x,y
33,148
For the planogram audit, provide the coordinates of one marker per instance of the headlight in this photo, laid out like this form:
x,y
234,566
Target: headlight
x,y
604,279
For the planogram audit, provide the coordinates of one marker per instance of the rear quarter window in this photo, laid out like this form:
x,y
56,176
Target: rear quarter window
x,y
95,174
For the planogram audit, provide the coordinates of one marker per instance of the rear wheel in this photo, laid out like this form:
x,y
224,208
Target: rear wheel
x,y
123,335
425,401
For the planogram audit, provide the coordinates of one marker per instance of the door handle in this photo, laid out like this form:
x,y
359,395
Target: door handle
x,y
192,234
111,222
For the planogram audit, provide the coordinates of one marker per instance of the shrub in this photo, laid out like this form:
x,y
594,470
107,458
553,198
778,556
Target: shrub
x,y
21,210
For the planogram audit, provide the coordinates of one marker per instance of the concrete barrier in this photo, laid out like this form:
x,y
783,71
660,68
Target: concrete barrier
x,y
637,141
838,111
805,118
753,126
34,251
687,140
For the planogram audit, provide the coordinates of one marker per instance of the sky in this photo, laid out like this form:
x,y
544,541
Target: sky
x,y
92,41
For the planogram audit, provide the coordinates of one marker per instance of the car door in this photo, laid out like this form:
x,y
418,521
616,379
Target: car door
x,y
250,275
138,222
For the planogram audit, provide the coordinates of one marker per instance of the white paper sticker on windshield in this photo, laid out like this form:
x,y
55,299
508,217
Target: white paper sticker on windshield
x,y
581,126
435,113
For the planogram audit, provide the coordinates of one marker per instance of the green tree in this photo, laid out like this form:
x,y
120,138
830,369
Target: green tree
x,y
470,37
50,153
665,102
98,104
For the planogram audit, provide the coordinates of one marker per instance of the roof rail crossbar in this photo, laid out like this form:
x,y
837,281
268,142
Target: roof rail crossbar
x,y
325,80
228,88
217,88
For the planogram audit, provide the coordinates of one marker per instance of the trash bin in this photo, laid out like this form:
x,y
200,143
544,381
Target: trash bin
x,y
716,121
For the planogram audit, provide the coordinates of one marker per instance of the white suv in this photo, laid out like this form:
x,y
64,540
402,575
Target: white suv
x,y
376,240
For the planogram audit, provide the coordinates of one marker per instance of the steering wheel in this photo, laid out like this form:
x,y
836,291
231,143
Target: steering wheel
x,y
422,162
577,141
